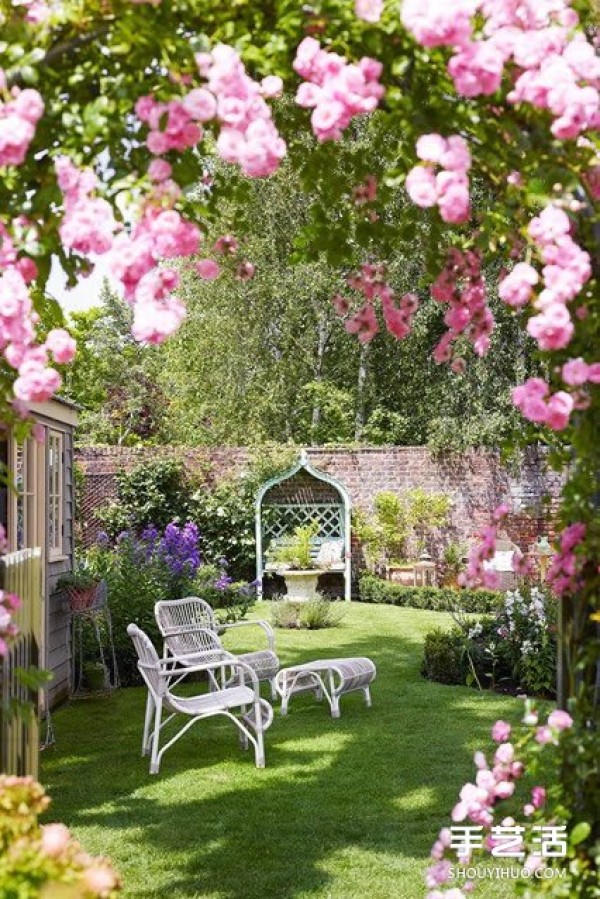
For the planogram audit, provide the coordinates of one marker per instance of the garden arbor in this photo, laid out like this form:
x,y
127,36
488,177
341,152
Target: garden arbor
x,y
301,495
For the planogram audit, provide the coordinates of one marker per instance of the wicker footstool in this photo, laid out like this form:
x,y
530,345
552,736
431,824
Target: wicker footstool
x,y
326,677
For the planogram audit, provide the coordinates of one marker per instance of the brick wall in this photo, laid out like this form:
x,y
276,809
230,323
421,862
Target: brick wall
x,y
476,481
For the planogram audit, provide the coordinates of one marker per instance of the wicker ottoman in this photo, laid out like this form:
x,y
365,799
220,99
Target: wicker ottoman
x,y
326,677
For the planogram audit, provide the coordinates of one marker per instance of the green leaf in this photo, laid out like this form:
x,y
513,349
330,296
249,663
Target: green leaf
x,y
580,833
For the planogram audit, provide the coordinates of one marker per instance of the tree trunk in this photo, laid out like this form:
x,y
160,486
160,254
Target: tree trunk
x,y
323,333
363,371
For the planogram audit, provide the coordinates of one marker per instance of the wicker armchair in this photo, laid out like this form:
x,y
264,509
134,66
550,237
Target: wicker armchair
x,y
189,626
160,675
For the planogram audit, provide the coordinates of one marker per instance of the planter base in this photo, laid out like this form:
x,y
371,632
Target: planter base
x,y
301,585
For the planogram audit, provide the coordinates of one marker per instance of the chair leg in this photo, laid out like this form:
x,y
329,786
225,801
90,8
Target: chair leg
x,y
242,736
154,760
367,692
147,723
335,706
273,688
259,752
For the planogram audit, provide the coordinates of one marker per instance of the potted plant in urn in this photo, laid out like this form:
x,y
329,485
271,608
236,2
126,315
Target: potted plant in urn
x,y
291,557
81,587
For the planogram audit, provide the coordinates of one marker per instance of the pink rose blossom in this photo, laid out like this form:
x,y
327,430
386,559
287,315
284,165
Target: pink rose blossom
x,y
517,287
575,372
208,269
55,839
560,720
421,186
501,731
368,10
431,147
543,735
61,345
538,797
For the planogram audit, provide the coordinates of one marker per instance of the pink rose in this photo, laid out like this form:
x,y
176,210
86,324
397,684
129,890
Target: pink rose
x,y
431,147
200,104
501,731
368,10
543,735
505,753
421,186
208,269
538,797
62,346
560,407
55,839
560,720
575,372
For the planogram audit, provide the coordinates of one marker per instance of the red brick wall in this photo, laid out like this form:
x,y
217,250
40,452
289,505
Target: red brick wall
x,y
475,481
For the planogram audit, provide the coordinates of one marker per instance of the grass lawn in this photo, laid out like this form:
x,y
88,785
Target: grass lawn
x,y
344,809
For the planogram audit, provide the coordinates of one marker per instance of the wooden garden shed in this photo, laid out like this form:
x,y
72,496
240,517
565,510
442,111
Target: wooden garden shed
x,y
40,513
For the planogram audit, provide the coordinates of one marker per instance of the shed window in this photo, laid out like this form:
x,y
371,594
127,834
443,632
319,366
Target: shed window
x,y
55,494
26,502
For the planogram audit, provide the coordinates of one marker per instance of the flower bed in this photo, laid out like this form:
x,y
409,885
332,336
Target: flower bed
x,y
514,650
140,570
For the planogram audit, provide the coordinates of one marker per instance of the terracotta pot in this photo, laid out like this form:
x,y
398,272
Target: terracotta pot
x,y
81,597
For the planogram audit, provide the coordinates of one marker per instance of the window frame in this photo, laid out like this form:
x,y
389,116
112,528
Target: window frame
x,y
55,493
32,497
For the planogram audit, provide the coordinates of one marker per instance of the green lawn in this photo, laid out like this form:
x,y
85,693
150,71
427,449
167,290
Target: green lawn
x,y
344,809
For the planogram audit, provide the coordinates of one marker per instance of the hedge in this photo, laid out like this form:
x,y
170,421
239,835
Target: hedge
x,y
438,599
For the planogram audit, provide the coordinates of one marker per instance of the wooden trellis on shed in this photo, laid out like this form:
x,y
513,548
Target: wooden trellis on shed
x,y
301,495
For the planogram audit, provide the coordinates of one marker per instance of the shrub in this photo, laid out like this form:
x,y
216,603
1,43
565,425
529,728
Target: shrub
x,y
443,656
152,493
438,599
285,614
313,615
320,613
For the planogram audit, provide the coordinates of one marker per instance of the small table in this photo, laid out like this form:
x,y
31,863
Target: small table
x,y
342,675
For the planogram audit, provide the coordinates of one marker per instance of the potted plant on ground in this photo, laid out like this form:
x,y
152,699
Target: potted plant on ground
x,y
81,587
95,676
292,558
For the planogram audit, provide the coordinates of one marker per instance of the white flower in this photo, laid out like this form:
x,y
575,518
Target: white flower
x,y
475,630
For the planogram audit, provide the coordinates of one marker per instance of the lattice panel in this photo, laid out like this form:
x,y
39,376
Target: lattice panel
x,y
282,520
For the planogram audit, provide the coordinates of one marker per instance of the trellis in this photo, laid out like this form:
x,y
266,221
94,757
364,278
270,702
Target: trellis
x,y
299,496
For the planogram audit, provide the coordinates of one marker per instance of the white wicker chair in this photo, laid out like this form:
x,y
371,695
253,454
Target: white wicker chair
x,y
255,713
189,626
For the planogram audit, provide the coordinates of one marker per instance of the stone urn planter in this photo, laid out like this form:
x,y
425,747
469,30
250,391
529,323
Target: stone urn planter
x,y
301,585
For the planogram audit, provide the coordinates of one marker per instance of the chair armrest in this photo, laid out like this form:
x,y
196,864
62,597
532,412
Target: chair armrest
x,y
230,661
208,654
270,633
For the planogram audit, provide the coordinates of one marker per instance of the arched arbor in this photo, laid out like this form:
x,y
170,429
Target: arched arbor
x,y
299,496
